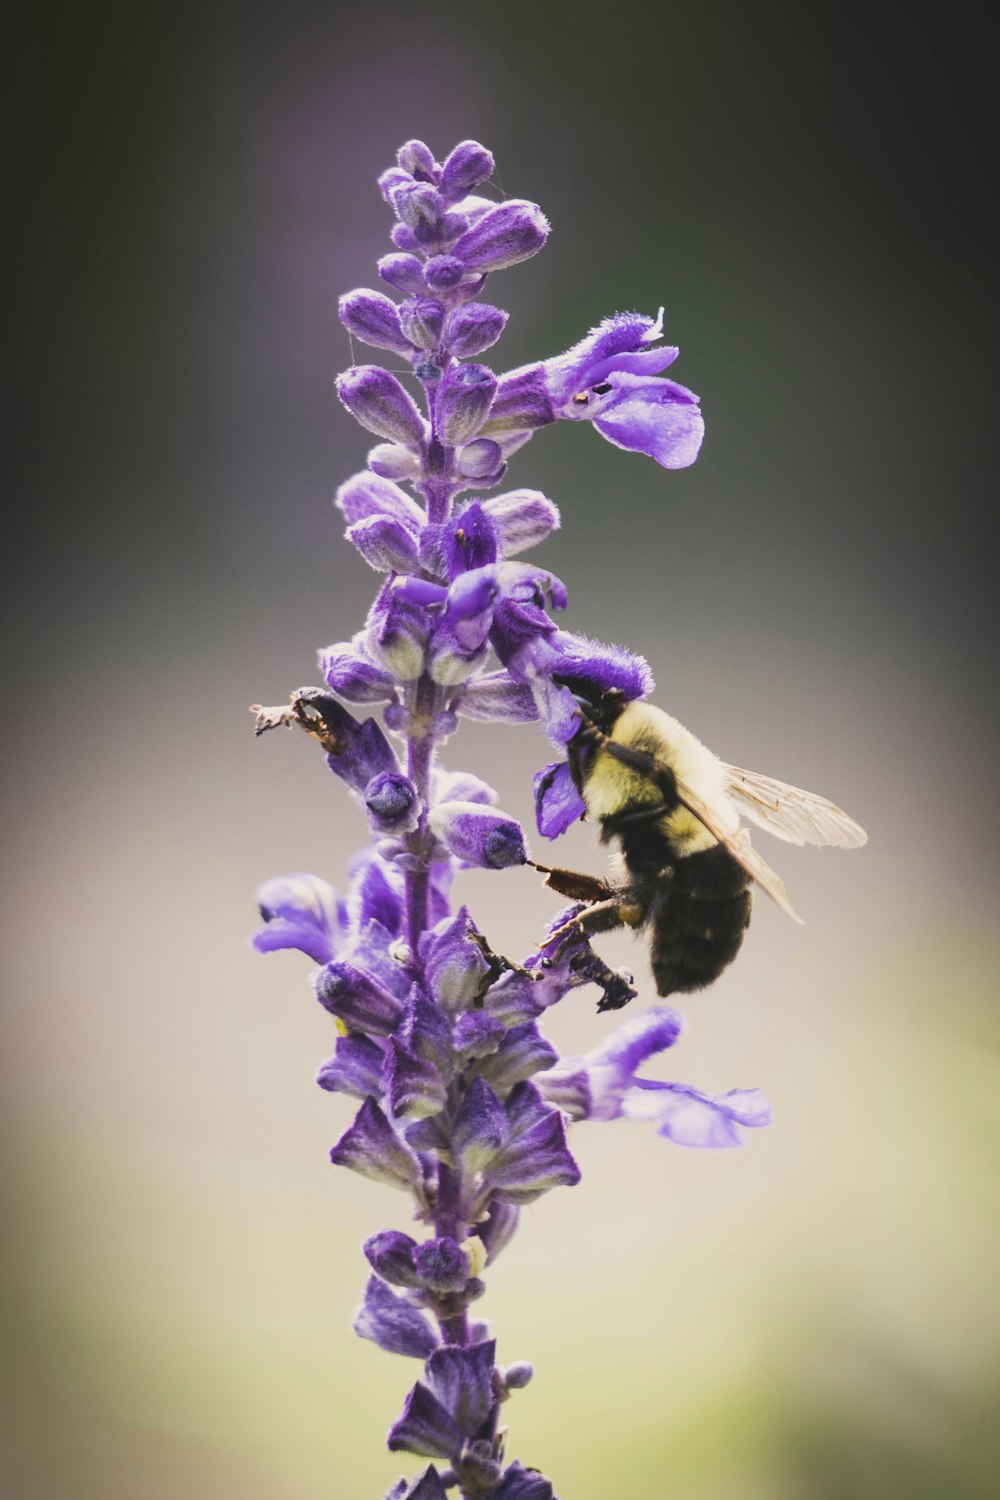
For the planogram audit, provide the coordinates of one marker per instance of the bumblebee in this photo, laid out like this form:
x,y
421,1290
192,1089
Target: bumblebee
x,y
684,867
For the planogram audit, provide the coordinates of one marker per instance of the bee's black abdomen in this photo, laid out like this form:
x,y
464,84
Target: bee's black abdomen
x,y
699,921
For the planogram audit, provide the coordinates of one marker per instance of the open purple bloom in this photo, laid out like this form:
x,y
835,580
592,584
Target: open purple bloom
x,y
304,912
610,379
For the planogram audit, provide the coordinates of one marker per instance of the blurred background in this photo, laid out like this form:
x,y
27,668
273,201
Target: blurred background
x,y
807,189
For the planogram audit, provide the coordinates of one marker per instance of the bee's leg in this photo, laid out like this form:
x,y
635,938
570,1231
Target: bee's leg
x,y
604,916
571,883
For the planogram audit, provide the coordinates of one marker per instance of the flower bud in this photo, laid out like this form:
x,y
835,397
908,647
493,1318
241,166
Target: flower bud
x,y
390,461
391,180
417,204
372,1148
521,405
412,1086
422,319
473,328
403,238
442,272
417,159
392,803
355,1067
480,1128
496,698
456,967
397,634
482,460
390,1255
511,232
354,676
368,494
464,169
523,518
378,401
449,662
477,834
498,1228
385,544
518,1375
463,403
357,999
373,317
404,272
441,1265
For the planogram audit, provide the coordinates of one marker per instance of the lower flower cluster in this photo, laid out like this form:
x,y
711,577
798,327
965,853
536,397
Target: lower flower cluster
x,y
464,1107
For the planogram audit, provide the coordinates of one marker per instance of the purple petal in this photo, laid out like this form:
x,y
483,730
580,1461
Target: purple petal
x,y
393,1323
689,1117
376,895
462,1380
301,911
480,1128
655,417
426,1486
404,272
622,334
537,1161
425,1427
497,698
519,1483
498,1228
355,1067
385,544
372,1148
558,804
524,1051
425,1030
413,1087
455,965
354,675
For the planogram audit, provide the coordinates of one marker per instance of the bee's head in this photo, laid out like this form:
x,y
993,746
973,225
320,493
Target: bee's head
x,y
602,706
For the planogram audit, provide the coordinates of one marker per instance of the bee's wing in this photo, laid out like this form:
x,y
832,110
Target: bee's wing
x,y
791,814
739,846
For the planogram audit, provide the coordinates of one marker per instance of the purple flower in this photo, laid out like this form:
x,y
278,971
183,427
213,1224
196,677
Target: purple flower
x,y
304,912
393,1323
558,804
604,1085
463,1103
609,378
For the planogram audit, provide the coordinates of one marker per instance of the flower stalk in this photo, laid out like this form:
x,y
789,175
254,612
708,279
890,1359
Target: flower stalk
x,y
463,1103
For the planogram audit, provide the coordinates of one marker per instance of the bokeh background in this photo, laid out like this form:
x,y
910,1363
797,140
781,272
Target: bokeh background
x,y
807,188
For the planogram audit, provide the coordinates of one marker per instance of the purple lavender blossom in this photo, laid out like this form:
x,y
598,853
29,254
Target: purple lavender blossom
x,y
462,1104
